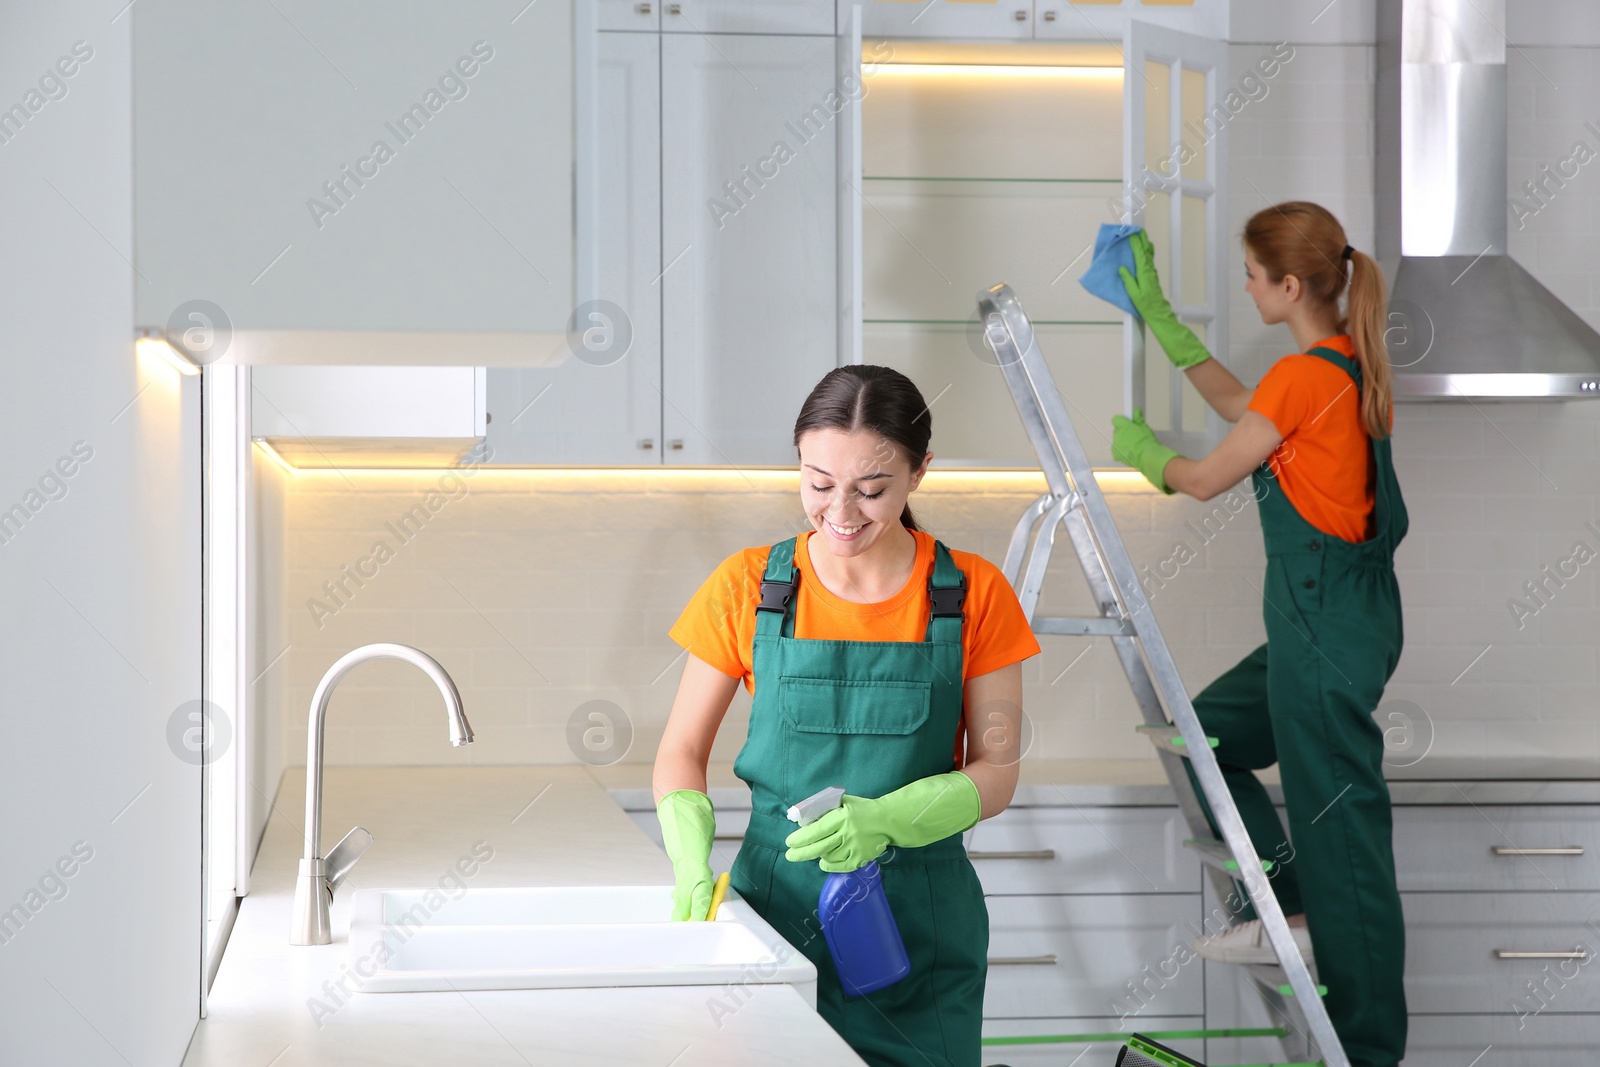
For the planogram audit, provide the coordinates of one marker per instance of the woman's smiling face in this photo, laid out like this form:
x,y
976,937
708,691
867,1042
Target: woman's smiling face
x,y
854,487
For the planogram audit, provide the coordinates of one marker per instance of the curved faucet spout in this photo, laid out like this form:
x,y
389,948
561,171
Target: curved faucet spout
x,y
311,895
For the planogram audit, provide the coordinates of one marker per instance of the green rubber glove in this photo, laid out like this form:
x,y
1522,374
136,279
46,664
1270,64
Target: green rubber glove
x,y
1179,342
687,824
1134,443
859,829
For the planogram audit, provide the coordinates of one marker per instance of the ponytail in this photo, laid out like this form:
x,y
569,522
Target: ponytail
x,y
1368,311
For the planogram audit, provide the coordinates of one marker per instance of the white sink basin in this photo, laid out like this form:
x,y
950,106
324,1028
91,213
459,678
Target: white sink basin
x,y
562,937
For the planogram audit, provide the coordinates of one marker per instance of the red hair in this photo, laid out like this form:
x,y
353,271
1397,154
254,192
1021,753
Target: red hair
x,y
1304,239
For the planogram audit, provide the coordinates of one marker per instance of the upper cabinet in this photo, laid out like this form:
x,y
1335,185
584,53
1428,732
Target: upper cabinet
x,y
658,225
988,160
749,241
1020,20
368,416
717,16
990,19
715,305
405,170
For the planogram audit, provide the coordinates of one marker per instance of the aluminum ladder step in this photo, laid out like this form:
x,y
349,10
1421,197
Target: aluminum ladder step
x,y
1217,854
1084,626
1169,737
1271,976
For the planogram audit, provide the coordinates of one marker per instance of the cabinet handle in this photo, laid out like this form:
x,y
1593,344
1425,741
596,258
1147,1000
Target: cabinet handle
x,y
1049,16
643,9
1507,850
1002,961
727,837
674,9
676,444
1027,854
647,442
1573,954
1021,16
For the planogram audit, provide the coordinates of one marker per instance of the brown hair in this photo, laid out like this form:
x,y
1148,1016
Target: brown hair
x,y
861,396
1304,239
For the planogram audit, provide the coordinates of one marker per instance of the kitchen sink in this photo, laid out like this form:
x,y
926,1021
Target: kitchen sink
x,y
561,937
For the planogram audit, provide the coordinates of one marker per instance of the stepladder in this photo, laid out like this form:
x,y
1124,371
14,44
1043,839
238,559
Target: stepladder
x,y
1073,501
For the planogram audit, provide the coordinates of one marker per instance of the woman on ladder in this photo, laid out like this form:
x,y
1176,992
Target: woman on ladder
x,y
1314,437
875,651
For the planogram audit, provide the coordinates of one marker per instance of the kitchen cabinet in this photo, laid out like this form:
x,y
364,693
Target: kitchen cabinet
x,y
718,16
748,16
640,15
601,402
1499,903
749,289
1083,850
1077,20
991,162
1023,20
716,250
992,20
368,416
327,169
1080,956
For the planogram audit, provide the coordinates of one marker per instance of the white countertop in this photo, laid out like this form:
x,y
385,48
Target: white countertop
x,y
557,825
547,825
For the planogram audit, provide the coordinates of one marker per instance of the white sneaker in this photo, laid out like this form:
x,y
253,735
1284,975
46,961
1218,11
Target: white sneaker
x,y
1247,943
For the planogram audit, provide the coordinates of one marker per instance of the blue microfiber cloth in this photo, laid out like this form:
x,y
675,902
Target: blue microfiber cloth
x,y
1110,252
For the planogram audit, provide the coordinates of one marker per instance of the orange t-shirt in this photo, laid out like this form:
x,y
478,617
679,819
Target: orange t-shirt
x,y
719,623
1323,463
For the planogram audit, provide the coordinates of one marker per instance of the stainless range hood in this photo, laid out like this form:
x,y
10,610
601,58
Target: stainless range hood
x,y
1467,320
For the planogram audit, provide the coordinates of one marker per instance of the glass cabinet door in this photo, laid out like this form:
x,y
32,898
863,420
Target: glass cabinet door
x,y
1175,145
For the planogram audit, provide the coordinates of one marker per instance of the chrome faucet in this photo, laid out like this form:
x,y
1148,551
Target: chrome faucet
x,y
318,875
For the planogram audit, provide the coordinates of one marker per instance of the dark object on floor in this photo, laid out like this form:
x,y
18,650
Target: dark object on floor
x,y
1140,1051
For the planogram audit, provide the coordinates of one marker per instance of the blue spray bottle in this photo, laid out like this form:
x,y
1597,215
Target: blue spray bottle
x,y
854,910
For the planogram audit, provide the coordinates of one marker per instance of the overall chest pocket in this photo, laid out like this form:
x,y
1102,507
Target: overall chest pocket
x,y
866,736
843,706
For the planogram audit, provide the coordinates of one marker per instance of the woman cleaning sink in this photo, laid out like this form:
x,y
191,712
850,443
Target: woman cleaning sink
x,y
879,660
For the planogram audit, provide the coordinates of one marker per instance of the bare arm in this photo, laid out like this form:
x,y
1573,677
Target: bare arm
x,y
993,710
1250,442
1228,396
703,697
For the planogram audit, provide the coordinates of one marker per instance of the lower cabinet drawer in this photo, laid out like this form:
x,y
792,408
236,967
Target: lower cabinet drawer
x,y
1502,1041
1084,850
1456,945
1094,1044
1112,955
1533,847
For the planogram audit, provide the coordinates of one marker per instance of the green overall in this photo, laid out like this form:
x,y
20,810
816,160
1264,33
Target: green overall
x,y
870,716
1305,700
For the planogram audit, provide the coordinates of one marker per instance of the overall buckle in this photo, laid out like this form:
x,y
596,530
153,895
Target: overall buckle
x,y
775,596
948,602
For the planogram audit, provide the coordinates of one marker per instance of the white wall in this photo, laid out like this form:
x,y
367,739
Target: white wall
x,y
100,642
